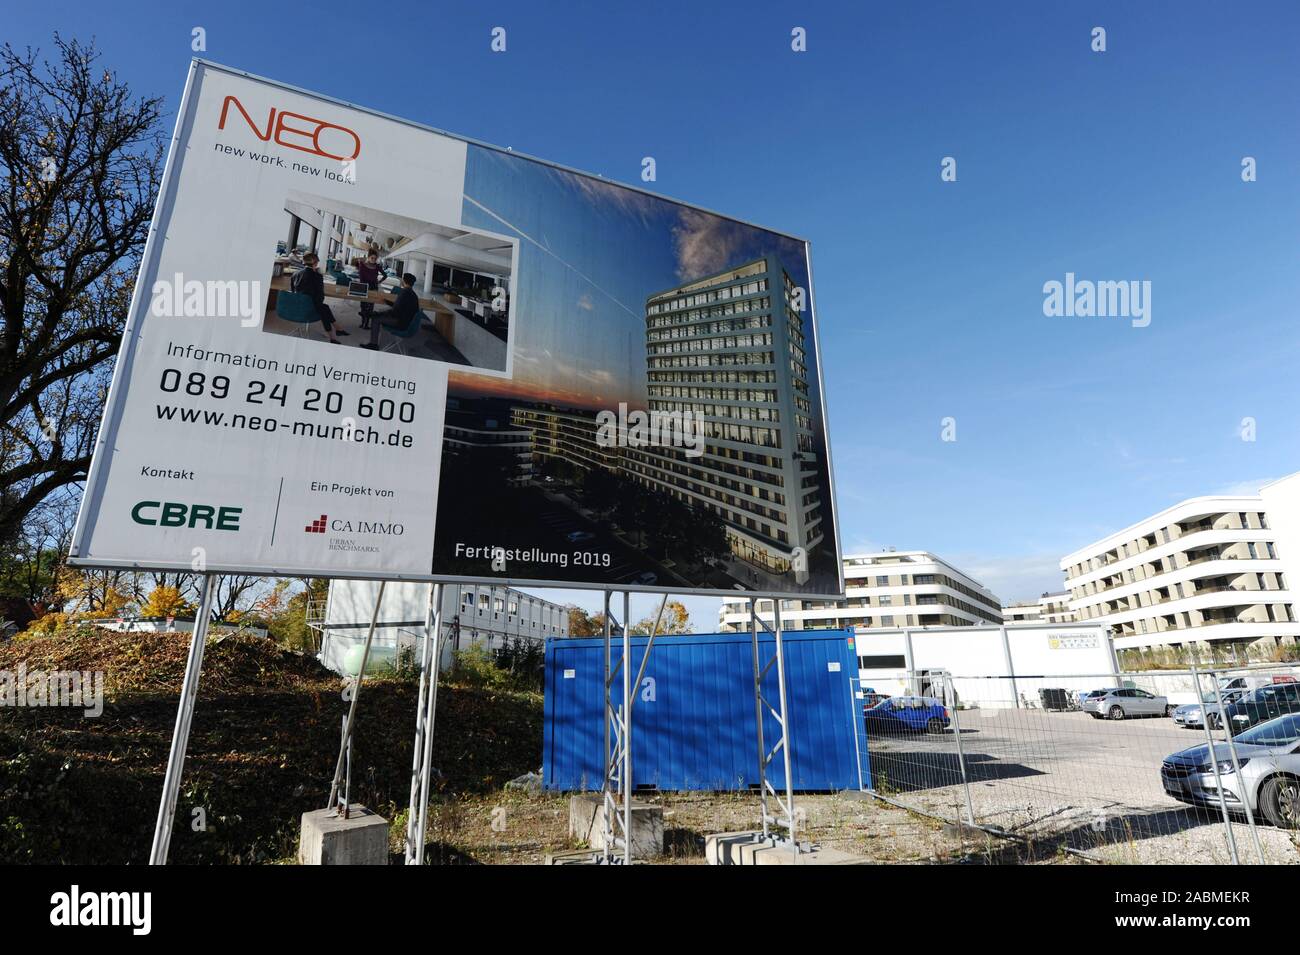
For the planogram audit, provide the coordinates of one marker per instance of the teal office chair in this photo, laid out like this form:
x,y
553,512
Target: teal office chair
x,y
400,335
297,308
340,277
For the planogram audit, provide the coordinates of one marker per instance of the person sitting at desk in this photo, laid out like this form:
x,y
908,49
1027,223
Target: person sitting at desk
x,y
307,281
403,310
369,272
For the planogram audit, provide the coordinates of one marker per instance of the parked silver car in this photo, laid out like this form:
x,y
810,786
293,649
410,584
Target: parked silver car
x,y
1269,756
1129,701
1192,715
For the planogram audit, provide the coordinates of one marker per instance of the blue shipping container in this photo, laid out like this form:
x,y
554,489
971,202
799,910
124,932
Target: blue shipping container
x,y
693,720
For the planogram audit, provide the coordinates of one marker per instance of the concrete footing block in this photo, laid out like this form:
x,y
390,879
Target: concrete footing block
x,y
573,857
587,823
750,848
329,839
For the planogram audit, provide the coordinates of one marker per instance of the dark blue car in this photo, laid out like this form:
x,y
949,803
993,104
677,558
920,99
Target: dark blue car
x,y
908,714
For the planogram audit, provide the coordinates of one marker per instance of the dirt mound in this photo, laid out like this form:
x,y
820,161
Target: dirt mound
x,y
155,662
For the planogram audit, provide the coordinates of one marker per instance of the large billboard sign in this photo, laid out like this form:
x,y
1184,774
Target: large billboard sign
x,y
360,347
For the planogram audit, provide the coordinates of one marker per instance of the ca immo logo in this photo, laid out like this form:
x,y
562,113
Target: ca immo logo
x,y
297,131
317,526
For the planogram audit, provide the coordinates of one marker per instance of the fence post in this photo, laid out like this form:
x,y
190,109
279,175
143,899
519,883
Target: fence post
x,y
1236,765
1214,764
950,692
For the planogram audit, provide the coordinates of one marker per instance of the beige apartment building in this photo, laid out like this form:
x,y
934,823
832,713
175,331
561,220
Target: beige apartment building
x,y
1049,609
1209,570
885,590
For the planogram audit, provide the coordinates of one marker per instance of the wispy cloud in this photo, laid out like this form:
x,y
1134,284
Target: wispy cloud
x,y
1015,578
1243,488
705,244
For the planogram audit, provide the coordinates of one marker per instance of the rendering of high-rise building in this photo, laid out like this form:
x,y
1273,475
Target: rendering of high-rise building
x,y
728,349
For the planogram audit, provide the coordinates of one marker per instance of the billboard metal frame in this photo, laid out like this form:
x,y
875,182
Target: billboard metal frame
x,y
114,403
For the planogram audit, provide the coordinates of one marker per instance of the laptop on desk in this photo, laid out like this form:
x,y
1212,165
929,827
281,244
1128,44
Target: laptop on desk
x,y
358,290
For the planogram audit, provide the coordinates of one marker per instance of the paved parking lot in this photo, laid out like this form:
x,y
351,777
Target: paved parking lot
x,y
1066,777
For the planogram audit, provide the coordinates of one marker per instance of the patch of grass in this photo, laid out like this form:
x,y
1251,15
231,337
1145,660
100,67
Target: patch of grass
x,y
262,749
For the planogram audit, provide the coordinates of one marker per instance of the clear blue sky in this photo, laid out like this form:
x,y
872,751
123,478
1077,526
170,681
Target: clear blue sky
x,y
1121,165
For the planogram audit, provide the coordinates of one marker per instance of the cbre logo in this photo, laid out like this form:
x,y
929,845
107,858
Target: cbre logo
x,y
171,514
296,131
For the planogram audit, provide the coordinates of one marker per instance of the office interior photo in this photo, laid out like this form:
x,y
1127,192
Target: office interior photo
x,y
388,282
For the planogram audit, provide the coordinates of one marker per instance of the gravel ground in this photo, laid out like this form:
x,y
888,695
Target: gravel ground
x,y
1068,780
527,826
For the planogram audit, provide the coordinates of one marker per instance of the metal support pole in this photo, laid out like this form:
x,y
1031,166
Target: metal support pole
x,y
949,692
417,749
1218,782
606,799
347,769
758,715
162,833
430,717
626,779
356,695
645,657
1236,765
785,725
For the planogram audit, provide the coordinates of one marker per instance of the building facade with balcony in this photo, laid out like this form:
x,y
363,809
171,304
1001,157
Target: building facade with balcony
x,y
1206,571
1048,609
885,590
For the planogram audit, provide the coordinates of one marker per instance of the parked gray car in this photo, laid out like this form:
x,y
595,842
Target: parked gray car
x,y
1130,701
1192,715
1269,756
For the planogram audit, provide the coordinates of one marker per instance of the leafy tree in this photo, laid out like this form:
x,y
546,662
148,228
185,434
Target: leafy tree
x,y
95,593
79,167
166,601
583,624
287,623
676,620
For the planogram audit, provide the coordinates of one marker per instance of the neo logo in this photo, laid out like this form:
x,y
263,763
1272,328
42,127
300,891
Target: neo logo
x,y
304,135
167,514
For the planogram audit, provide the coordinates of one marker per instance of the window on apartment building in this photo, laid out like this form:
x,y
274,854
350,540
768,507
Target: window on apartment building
x,y
882,581
887,620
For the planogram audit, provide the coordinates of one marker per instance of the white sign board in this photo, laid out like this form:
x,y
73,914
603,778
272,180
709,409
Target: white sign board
x,y
238,435
360,347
